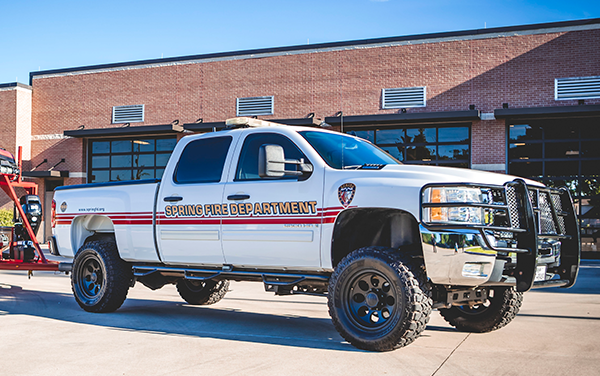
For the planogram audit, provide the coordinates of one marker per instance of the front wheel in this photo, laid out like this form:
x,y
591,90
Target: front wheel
x,y
376,301
497,311
100,279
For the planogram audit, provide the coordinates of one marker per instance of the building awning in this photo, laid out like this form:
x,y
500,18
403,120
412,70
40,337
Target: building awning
x,y
548,112
143,130
46,174
205,127
218,125
404,118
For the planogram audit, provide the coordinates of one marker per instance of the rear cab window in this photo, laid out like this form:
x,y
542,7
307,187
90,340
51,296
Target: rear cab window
x,y
202,161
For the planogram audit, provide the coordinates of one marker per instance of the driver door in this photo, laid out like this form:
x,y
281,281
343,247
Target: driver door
x,y
274,221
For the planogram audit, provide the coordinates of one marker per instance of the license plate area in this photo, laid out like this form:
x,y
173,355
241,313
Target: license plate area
x,y
540,273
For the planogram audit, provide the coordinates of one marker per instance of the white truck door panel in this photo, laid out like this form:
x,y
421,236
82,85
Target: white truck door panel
x,y
189,206
272,222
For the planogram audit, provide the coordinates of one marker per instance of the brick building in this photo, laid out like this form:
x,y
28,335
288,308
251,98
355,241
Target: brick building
x,y
523,100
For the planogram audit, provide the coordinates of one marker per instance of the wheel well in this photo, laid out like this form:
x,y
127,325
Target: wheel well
x,y
364,227
101,236
90,227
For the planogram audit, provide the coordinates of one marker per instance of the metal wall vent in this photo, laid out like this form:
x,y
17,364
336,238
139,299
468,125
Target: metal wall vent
x,y
254,106
403,97
128,114
577,88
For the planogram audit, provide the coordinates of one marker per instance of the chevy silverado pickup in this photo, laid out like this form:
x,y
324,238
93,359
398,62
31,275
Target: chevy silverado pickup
x,y
306,210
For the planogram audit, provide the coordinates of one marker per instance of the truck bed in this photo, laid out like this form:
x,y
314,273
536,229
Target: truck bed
x,y
125,208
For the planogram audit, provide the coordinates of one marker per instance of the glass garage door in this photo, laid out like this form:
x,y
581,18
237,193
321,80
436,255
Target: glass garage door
x,y
128,159
433,145
562,152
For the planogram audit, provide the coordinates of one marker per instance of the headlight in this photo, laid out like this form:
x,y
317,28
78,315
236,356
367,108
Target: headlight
x,y
463,205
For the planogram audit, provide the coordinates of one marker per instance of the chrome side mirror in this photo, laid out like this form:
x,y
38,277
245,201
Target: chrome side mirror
x,y
271,162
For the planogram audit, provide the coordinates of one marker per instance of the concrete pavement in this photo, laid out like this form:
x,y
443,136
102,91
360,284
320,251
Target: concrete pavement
x,y
44,332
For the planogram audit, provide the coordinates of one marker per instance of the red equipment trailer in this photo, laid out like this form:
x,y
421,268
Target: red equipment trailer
x,y
8,183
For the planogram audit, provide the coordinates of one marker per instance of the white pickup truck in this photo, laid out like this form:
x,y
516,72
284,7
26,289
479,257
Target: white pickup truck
x,y
307,210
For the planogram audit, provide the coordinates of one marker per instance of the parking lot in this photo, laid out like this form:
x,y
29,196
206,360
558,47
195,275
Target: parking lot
x,y
44,332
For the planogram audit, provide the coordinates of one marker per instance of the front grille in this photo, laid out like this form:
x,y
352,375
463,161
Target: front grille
x,y
547,206
556,200
513,206
545,218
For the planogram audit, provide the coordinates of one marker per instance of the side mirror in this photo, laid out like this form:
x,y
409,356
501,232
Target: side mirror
x,y
271,162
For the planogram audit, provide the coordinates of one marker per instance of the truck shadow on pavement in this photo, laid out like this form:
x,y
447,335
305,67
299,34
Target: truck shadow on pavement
x,y
171,318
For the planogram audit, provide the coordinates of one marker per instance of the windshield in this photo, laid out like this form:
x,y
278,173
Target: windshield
x,y
346,152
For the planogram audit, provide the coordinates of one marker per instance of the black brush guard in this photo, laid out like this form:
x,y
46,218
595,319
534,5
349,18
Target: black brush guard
x,y
534,213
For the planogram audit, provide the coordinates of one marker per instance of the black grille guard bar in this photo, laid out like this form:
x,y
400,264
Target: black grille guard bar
x,y
527,236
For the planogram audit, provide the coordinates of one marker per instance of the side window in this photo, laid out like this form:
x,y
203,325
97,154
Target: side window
x,y
202,161
248,165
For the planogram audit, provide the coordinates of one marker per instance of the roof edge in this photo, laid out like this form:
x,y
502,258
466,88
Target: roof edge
x,y
15,84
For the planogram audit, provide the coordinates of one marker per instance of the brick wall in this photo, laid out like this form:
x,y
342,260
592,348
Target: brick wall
x,y
8,118
518,70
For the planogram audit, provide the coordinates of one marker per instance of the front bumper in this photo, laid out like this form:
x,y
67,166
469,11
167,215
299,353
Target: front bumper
x,y
544,247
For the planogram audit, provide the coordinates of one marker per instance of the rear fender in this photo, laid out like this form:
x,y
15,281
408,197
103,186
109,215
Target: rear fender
x,y
86,226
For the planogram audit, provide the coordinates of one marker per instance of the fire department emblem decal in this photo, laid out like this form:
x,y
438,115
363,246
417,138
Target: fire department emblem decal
x,y
346,194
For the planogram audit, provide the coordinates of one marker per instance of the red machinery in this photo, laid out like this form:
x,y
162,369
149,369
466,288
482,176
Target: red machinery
x,y
25,240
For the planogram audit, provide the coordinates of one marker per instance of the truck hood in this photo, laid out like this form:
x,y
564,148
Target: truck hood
x,y
435,174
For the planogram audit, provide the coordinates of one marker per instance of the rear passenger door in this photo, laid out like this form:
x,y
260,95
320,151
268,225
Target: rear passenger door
x,y
272,222
189,206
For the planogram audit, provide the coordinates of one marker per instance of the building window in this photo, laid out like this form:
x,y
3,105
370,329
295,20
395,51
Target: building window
x,y
128,159
433,145
254,106
561,152
128,114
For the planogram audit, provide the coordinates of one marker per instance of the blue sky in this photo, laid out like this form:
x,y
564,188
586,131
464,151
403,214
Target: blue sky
x,y
42,35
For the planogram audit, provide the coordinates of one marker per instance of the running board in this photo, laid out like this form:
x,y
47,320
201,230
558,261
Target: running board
x,y
228,272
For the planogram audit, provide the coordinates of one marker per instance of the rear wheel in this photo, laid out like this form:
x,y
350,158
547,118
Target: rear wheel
x,y
375,300
100,279
202,292
497,311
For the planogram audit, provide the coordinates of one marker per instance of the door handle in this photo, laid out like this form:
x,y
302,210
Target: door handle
x,y
173,198
238,197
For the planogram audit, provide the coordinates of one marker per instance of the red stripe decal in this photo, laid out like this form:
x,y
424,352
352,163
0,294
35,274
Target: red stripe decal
x,y
323,215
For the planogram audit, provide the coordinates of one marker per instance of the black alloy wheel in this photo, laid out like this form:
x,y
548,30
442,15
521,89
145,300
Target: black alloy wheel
x,y
100,279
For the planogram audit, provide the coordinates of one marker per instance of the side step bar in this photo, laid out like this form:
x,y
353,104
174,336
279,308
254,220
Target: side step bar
x,y
272,278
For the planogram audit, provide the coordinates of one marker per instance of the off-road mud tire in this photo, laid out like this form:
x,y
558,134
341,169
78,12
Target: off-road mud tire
x,y
501,310
202,292
100,279
365,325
